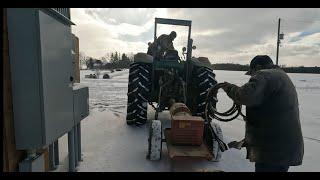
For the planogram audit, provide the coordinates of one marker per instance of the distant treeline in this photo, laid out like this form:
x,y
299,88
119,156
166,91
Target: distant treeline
x,y
114,61
230,67
313,70
240,67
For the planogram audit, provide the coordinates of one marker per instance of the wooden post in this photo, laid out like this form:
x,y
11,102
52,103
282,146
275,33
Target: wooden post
x,y
46,159
278,42
11,156
76,60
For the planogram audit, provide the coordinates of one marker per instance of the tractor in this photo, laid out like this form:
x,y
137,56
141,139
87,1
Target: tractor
x,y
179,85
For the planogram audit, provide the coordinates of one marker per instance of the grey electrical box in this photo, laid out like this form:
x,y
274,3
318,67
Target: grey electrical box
x,y
80,102
41,72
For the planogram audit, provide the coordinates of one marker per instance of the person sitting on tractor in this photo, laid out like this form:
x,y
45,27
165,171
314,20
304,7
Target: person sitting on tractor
x,y
162,44
150,48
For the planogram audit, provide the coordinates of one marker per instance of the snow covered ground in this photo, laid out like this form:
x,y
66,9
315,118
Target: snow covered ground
x,y
108,144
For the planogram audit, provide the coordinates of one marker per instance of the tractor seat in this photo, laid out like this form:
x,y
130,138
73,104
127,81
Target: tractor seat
x,y
172,55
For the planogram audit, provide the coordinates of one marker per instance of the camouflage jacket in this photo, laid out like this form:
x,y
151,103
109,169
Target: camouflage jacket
x,y
162,44
273,131
165,42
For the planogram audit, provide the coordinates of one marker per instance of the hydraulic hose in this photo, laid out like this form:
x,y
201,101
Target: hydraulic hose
x,y
212,111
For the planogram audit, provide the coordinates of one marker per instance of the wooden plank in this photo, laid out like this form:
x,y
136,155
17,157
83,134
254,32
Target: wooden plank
x,y
5,164
181,152
76,60
12,156
46,159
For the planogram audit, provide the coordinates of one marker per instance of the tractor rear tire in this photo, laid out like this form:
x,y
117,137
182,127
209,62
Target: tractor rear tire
x,y
204,80
138,93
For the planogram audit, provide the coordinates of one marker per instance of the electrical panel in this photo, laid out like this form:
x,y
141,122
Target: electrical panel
x,y
80,102
40,44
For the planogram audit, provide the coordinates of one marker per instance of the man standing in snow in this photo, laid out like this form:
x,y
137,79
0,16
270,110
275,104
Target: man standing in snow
x,y
273,136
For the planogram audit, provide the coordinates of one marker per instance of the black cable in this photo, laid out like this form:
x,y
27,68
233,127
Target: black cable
x,y
211,101
211,111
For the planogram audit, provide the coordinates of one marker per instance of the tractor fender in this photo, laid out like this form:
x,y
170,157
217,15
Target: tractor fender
x,y
143,57
202,62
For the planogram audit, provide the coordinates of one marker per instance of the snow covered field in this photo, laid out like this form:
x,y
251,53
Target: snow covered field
x,y
108,144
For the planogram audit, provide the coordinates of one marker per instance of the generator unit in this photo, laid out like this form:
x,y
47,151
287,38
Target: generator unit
x,y
185,128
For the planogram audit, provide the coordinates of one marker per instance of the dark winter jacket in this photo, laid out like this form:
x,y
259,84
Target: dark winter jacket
x,y
273,131
162,44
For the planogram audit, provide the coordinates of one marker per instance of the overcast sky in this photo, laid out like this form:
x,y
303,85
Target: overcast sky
x,y
223,35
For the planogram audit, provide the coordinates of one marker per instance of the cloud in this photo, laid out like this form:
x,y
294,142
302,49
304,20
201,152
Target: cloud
x,y
133,16
223,35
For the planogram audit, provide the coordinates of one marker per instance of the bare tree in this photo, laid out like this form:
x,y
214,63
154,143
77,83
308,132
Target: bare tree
x,y
130,56
83,58
98,73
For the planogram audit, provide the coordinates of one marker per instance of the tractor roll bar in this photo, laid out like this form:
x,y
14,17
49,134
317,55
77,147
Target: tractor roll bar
x,y
176,22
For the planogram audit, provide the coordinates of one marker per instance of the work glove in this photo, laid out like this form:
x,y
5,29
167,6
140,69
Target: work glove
x,y
237,144
226,87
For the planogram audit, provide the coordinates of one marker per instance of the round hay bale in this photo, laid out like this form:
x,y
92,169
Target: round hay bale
x,y
204,60
142,57
106,76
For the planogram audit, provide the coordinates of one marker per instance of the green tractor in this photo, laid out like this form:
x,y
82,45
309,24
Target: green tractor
x,y
168,80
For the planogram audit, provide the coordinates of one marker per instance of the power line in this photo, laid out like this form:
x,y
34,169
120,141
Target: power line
x,y
302,20
297,25
289,26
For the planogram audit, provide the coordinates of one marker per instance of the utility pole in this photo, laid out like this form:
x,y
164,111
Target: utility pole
x,y
278,41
